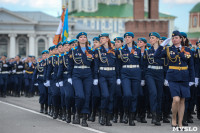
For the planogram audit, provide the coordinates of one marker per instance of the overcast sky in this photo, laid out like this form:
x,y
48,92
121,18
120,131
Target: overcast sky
x,y
178,8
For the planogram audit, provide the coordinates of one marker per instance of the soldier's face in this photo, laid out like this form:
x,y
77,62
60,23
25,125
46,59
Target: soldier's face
x,y
66,47
176,40
160,41
141,44
129,39
118,44
60,49
73,45
104,40
153,40
17,58
82,39
96,44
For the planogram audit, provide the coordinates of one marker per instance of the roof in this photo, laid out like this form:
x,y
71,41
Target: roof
x,y
193,34
196,8
114,11
38,16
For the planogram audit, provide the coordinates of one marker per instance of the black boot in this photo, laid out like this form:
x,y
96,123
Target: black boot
x,y
103,117
41,108
92,116
125,116
198,108
84,121
55,114
189,117
131,119
165,118
158,117
51,111
142,118
153,121
149,115
184,122
63,113
108,118
121,117
115,117
77,117
68,116
46,109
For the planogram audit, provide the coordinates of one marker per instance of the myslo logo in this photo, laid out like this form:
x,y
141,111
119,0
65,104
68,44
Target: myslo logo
x,y
186,129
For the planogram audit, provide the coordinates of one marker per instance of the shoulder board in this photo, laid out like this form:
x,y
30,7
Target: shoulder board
x,y
75,48
148,48
122,47
91,48
99,48
62,54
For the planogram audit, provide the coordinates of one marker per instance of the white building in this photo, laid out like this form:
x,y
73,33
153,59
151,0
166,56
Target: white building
x,y
108,15
29,33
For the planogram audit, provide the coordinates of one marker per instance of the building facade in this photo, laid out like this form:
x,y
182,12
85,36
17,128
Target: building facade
x,y
194,24
109,15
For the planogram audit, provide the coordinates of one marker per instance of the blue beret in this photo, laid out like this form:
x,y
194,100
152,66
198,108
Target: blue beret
x,y
73,41
154,34
129,34
183,34
119,38
60,43
33,56
190,45
148,45
80,34
45,52
52,47
104,34
142,39
89,42
19,56
5,55
163,38
112,42
135,42
96,39
176,33
30,56
65,42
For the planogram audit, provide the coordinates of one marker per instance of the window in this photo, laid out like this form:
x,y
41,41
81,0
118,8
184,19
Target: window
x,y
22,46
99,24
195,21
73,5
41,46
88,23
80,21
89,5
3,46
107,24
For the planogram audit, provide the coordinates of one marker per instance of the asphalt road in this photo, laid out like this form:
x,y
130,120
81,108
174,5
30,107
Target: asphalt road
x,y
22,115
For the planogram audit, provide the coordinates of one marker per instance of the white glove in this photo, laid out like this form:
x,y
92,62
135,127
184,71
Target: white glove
x,y
47,84
142,82
95,81
24,71
196,82
191,83
36,84
70,80
57,85
118,81
164,43
166,83
14,71
60,83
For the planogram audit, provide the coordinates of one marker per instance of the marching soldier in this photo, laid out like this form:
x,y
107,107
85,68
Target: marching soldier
x,y
180,74
38,80
18,68
81,58
129,58
4,71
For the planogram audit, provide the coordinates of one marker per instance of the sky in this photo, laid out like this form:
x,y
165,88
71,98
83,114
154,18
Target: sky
x,y
178,8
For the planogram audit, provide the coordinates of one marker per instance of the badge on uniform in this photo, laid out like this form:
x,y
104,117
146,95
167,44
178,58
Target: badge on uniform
x,y
49,61
96,55
70,56
60,61
119,56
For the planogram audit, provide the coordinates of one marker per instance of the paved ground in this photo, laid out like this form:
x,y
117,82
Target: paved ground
x,y
21,115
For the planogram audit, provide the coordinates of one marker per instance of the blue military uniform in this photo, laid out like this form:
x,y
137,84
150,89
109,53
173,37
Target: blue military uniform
x,y
106,71
52,78
38,78
4,71
80,68
154,77
129,59
18,67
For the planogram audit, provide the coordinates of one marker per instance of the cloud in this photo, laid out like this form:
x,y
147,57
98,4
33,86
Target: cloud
x,y
181,1
9,1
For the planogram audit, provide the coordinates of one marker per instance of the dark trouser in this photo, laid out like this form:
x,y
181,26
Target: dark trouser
x,y
18,78
166,101
43,91
3,82
55,94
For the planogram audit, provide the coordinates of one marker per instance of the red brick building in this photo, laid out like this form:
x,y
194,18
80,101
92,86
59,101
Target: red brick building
x,y
141,26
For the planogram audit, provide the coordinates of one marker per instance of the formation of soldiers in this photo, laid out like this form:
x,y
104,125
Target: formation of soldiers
x,y
120,80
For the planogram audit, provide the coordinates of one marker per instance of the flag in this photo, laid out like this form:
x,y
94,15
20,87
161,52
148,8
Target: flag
x,y
57,37
65,32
